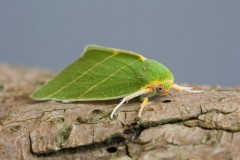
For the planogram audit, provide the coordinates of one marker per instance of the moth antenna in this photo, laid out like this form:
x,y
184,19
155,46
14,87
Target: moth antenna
x,y
131,96
184,89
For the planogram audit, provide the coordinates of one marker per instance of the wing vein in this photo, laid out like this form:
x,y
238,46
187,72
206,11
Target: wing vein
x,y
68,84
91,88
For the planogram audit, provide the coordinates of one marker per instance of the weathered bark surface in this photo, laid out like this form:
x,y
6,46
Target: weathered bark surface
x,y
178,126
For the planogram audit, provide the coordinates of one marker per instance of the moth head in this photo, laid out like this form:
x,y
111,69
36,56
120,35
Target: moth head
x,y
161,87
161,90
164,87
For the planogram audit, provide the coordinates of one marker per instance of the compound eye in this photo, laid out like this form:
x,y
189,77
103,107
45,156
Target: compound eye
x,y
159,90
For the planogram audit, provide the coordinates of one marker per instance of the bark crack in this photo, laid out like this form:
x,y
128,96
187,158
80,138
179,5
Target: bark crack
x,y
181,126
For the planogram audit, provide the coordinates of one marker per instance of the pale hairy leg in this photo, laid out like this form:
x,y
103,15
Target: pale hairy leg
x,y
142,106
127,98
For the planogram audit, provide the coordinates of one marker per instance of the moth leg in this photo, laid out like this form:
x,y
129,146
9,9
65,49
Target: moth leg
x,y
184,89
142,106
127,98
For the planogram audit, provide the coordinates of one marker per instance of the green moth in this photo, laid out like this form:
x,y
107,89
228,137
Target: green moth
x,y
103,73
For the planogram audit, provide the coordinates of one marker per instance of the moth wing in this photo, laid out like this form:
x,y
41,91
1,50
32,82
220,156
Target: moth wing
x,y
99,74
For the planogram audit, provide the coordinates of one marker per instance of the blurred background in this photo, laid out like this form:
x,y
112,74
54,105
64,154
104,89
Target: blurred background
x,y
198,40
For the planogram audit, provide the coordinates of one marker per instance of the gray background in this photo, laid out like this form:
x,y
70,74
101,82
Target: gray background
x,y
199,40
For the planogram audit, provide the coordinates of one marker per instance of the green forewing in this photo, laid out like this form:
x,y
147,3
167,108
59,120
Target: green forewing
x,y
100,74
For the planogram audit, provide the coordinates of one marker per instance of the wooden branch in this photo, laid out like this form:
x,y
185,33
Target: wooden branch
x,y
178,126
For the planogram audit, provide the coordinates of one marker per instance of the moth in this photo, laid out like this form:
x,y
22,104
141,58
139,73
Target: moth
x,y
103,73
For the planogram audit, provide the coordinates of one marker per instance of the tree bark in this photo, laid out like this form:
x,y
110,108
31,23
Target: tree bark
x,y
177,126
